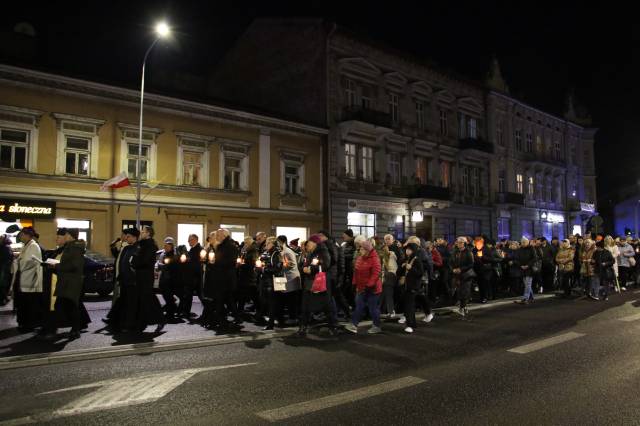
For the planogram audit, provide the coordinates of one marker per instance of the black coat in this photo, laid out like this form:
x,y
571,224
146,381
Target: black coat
x,y
144,261
413,275
194,277
322,254
246,271
525,256
463,260
271,267
221,275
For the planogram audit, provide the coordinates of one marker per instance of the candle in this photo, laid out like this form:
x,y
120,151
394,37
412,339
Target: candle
x,y
203,254
479,253
183,258
239,261
315,261
166,260
258,263
212,256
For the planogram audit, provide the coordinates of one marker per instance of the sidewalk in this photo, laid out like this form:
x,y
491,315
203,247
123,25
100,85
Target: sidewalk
x,y
22,350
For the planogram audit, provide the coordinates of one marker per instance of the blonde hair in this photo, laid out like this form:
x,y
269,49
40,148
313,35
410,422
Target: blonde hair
x,y
415,240
608,241
272,240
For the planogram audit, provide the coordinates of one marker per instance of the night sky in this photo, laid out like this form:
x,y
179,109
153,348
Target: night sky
x,y
545,50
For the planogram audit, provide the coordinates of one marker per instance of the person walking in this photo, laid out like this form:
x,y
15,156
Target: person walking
x,y
527,260
28,283
564,259
410,274
168,266
368,285
463,273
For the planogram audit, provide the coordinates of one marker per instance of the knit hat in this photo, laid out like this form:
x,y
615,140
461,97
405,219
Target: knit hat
x,y
366,244
348,232
170,240
294,243
315,238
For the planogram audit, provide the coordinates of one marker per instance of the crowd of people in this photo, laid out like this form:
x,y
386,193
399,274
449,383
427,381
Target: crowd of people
x,y
275,283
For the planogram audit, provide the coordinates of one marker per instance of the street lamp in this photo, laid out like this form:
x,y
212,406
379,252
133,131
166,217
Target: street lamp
x,y
162,31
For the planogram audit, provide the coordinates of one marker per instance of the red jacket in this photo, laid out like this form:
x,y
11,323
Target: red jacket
x,y
367,273
437,257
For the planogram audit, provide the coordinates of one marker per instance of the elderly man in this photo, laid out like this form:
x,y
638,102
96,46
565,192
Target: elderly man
x,y
193,278
221,279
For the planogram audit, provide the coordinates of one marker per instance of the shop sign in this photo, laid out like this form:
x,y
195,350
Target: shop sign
x,y
555,218
11,209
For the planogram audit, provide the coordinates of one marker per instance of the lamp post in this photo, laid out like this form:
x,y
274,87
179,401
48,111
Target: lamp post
x,y
162,31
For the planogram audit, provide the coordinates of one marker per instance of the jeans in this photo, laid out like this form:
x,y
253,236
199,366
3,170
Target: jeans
x,y
565,279
409,298
595,286
370,300
528,291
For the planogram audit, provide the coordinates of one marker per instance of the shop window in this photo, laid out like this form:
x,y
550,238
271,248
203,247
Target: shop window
x,y
362,223
293,232
504,229
126,224
83,226
186,229
237,232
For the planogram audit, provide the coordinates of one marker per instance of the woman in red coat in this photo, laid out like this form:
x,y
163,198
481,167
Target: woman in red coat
x,y
366,279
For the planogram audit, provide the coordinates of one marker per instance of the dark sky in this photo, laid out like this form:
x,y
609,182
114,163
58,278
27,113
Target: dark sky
x,y
544,49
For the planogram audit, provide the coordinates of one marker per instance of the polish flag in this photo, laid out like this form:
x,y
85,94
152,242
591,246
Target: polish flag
x,y
119,181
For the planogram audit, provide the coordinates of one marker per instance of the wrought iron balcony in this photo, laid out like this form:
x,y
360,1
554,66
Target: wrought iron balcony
x,y
477,144
510,198
431,192
370,116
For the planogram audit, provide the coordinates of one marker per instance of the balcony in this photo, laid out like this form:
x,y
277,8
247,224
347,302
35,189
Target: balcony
x,y
369,116
477,144
431,192
510,198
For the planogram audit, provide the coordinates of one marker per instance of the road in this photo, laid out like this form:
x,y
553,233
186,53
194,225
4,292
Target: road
x,y
553,362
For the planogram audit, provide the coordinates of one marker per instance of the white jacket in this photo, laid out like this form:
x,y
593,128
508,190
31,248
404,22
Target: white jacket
x,y
626,251
30,269
291,270
615,253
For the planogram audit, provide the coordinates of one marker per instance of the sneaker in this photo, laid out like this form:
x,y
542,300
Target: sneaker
x,y
374,330
428,318
462,311
592,297
408,330
623,288
351,328
392,316
402,320
541,290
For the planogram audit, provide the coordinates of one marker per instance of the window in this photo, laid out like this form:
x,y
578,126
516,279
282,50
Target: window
x,y
366,98
530,186
393,107
395,168
501,181
499,133
130,143
556,150
529,143
504,229
527,229
186,229
292,232
448,227
234,167
350,152
519,184
191,168
193,159
367,163
350,92
83,226
539,145
77,156
444,130
237,231
465,181
445,174
133,150
421,170
232,172
362,223
475,182
469,228
291,178
473,128
518,138
13,149
549,192
462,126
547,230
420,119
126,224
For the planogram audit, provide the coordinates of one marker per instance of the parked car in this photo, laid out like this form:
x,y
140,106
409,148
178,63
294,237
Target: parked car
x,y
99,273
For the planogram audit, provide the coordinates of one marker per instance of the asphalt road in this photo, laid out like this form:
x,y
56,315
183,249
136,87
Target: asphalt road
x,y
500,367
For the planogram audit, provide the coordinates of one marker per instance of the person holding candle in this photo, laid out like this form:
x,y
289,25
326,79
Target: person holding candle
x,y
193,278
247,286
271,265
292,273
169,282
125,282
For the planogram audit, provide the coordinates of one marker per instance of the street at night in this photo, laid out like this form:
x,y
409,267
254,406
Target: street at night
x,y
451,371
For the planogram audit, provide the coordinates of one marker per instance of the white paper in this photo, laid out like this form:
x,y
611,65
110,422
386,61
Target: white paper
x,y
52,261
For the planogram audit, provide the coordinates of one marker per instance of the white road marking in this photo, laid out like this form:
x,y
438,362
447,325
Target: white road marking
x,y
630,318
307,407
119,393
545,343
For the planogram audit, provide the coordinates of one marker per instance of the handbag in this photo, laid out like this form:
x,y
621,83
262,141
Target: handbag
x,y
319,282
279,283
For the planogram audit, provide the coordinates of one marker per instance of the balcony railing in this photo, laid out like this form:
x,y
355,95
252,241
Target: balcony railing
x,y
477,144
510,198
431,192
377,118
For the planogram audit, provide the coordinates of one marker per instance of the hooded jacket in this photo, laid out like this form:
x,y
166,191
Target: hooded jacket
x,y
367,273
412,269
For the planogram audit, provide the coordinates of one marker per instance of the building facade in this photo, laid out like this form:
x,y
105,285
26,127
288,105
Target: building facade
x,y
203,166
543,173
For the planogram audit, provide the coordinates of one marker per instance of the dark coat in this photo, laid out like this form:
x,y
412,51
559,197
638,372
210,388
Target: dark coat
x,y
169,268
603,265
143,262
221,275
322,254
126,274
463,260
272,267
246,271
525,256
70,272
194,277
413,274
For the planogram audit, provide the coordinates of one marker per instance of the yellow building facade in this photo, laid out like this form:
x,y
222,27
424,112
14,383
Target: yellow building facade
x,y
203,166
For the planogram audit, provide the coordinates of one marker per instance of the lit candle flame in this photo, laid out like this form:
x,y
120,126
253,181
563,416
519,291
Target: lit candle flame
x,y
239,261
258,263
183,258
315,261
166,260
203,254
212,257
